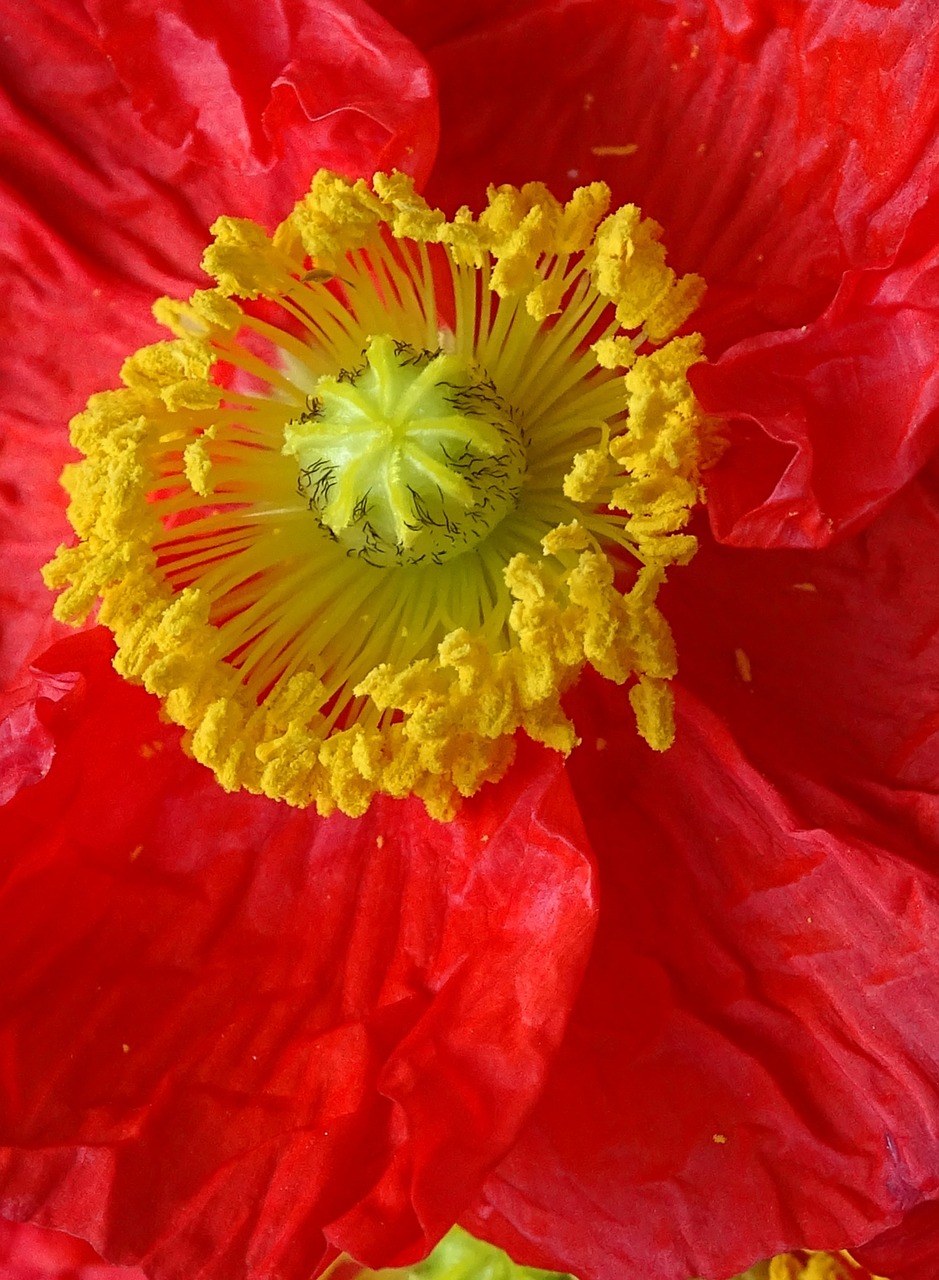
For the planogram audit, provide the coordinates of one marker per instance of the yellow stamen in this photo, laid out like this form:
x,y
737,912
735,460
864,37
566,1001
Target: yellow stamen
x,y
395,483
807,1266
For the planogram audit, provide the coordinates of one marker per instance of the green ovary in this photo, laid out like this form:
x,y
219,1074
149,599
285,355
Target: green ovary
x,y
412,457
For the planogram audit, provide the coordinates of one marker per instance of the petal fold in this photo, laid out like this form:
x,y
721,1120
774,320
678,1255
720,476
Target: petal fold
x,y
29,1253
296,83
125,130
752,1064
852,399
781,146
237,1038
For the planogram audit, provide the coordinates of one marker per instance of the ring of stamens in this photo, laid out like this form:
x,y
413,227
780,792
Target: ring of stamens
x,y
360,527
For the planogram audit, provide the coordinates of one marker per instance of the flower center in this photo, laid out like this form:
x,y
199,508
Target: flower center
x,y
396,482
413,456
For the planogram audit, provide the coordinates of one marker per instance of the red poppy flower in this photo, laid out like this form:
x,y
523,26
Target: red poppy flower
x,y
237,1038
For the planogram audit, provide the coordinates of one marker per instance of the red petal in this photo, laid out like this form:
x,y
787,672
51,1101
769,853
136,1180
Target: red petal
x,y
122,139
104,214
272,91
27,1253
32,525
840,97
909,1250
780,144
27,748
851,400
234,1036
753,1064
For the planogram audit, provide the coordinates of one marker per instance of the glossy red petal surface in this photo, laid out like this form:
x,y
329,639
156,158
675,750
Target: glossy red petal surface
x,y
753,1063
781,144
124,132
234,1036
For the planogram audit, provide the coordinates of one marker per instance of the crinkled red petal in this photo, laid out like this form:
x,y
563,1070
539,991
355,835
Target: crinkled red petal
x,y
272,91
850,402
235,1037
27,747
123,135
32,525
753,1064
780,144
128,135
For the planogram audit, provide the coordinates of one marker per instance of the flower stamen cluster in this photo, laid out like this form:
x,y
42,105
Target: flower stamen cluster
x,y
396,481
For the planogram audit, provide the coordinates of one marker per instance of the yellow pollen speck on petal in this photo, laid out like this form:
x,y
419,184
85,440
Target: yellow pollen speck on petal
x,y
743,665
719,1138
613,149
394,483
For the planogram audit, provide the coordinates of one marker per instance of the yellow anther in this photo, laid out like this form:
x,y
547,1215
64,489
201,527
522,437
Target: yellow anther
x,y
244,261
167,364
590,470
615,353
676,305
358,549
412,217
333,218
579,218
566,537
216,311
630,269
807,1266
197,463
206,311
652,702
